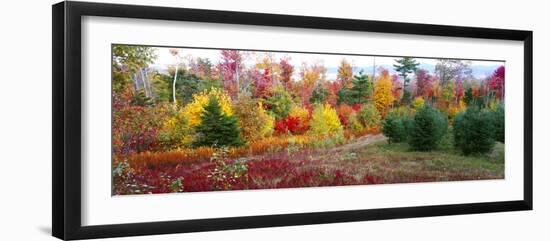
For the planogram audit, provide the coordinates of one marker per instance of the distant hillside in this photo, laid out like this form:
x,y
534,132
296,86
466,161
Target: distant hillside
x,y
478,71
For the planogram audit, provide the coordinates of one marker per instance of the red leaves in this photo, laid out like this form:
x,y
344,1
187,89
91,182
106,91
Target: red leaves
x,y
230,68
459,90
290,124
286,71
497,82
356,107
424,83
260,174
262,83
344,111
135,128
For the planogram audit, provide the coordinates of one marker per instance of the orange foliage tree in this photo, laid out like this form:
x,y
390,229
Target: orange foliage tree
x,y
383,97
345,73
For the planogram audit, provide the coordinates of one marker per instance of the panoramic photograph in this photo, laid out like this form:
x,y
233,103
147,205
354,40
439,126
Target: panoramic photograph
x,y
202,119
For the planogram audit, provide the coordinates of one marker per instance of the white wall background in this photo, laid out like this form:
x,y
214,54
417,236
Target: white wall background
x,y
25,122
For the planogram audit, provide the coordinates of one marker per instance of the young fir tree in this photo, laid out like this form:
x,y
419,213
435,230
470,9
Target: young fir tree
x,y
404,67
216,128
319,94
474,131
360,91
427,128
469,97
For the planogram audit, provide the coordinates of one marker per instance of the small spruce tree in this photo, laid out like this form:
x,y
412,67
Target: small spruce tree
x,y
360,91
427,129
396,127
499,123
319,95
474,131
140,99
217,128
469,97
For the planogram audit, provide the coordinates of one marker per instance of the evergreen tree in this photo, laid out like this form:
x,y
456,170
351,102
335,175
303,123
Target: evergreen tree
x,y
427,128
474,131
345,96
319,94
139,99
187,84
396,128
469,97
279,102
217,128
360,91
499,123
404,67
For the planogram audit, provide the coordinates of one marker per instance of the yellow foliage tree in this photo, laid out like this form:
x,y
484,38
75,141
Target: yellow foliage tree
x,y
254,121
345,73
417,103
324,121
454,109
383,97
269,62
300,113
175,131
193,111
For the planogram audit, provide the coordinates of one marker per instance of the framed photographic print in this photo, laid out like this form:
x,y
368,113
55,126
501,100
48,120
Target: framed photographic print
x,y
170,120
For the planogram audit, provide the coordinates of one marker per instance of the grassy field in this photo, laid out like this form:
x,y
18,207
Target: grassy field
x,y
397,163
365,160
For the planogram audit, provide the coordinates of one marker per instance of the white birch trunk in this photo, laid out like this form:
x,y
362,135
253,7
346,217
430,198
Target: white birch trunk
x,y
144,84
174,85
152,95
136,84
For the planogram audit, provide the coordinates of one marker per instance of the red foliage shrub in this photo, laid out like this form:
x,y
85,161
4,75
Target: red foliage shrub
x,y
290,124
135,128
344,111
261,174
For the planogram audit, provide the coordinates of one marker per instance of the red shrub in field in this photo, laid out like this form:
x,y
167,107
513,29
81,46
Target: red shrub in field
x,y
290,124
135,126
274,172
293,125
198,180
307,178
344,111
356,107
369,180
194,178
280,126
265,173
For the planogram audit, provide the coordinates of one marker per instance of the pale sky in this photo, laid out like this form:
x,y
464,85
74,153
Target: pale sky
x,y
330,61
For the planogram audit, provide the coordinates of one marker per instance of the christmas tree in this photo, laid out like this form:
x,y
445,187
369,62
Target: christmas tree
x,y
217,128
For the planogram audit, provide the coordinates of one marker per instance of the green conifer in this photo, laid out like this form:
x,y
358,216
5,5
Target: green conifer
x,y
216,128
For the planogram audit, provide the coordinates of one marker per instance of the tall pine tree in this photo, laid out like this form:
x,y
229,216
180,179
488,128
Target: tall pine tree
x,y
216,128
404,67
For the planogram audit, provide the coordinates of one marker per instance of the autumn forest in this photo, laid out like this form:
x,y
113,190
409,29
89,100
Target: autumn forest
x,y
192,119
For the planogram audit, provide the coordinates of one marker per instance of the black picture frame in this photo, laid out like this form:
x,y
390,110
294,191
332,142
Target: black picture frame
x,y
66,75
